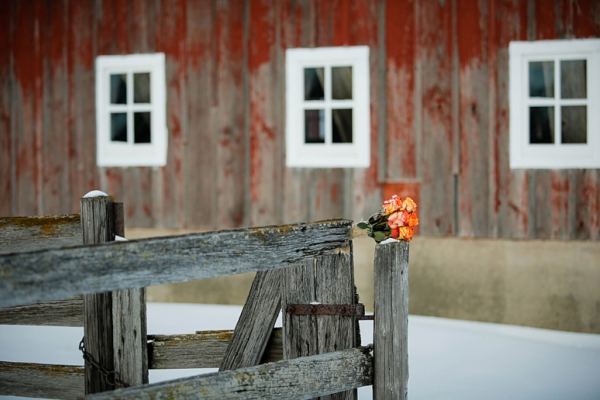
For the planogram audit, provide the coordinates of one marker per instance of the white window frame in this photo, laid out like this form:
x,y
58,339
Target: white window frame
x,y
557,155
129,154
328,155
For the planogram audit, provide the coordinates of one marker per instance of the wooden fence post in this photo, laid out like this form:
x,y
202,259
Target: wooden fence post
x,y
114,322
390,333
327,280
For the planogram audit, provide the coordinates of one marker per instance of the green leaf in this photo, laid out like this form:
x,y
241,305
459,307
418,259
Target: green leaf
x,y
362,225
379,236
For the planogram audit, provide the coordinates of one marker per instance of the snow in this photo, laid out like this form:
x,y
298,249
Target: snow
x,y
95,193
389,240
448,359
120,239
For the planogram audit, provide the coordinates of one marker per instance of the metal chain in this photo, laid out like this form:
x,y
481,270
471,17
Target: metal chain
x,y
116,381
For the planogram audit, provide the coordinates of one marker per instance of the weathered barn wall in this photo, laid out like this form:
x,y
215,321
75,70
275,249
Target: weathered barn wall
x,y
439,113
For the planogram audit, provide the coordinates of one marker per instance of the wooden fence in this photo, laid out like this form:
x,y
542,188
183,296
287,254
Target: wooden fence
x,y
48,278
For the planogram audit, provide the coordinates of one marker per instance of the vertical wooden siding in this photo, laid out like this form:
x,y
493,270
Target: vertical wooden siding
x,y
439,79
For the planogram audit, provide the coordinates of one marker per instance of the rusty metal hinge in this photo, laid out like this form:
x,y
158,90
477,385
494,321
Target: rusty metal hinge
x,y
355,310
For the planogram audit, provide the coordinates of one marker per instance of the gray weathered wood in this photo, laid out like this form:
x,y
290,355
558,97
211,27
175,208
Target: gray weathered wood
x,y
61,273
390,331
129,323
328,280
129,335
66,312
114,322
256,322
97,226
19,234
41,380
300,378
203,349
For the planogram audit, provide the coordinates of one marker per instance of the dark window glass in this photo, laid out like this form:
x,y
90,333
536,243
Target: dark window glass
x,y
314,126
573,79
341,83
141,124
541,125
314,83
341,124
141,88
574,124
541,79
118,89
118,127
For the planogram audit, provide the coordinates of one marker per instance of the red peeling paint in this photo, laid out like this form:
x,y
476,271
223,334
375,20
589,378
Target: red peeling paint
x,y
401,151
545,21
261,32
470,28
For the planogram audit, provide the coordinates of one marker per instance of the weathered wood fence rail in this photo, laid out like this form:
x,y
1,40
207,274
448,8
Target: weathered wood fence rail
x,y
46,271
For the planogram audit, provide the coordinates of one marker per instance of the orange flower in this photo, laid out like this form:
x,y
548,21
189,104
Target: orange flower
x,y
398,219
392,205
409,205
412,219
405,233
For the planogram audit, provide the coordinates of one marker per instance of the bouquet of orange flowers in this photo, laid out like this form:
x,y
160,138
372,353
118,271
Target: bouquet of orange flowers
x,y
396,220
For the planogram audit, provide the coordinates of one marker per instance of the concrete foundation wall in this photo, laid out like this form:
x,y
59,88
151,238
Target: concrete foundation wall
x,y
543,284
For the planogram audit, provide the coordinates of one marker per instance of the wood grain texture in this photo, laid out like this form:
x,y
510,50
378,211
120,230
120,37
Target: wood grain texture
x,y
204,349
19,234
435,58
511,197
200,195
129,333
54,142
41,380
472,34
301,378
327,280
169,38
390,340
27,107
114,322
31,277
254,327
97,226
82,109
401,50
265,73
7,185
66,312
230,113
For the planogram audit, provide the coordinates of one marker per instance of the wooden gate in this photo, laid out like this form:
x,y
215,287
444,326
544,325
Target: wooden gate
x,y
305,269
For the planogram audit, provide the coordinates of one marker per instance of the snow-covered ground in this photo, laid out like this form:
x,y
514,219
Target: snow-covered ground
x,y
448,359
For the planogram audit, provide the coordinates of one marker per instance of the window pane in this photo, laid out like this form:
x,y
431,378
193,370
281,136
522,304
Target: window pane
x,y
541,125
314,83
574,124
573,79
314,126
141,123
118,89
541,79
118,127
341,122
341,83
141,88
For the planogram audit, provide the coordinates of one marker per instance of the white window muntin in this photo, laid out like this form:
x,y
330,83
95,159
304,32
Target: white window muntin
x,y
328,154
127,154
556,155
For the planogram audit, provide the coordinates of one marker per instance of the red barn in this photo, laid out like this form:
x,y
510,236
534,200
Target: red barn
x,y
484,111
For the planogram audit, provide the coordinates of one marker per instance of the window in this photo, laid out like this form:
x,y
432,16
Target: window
x,y
555,104
131,110
328,120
